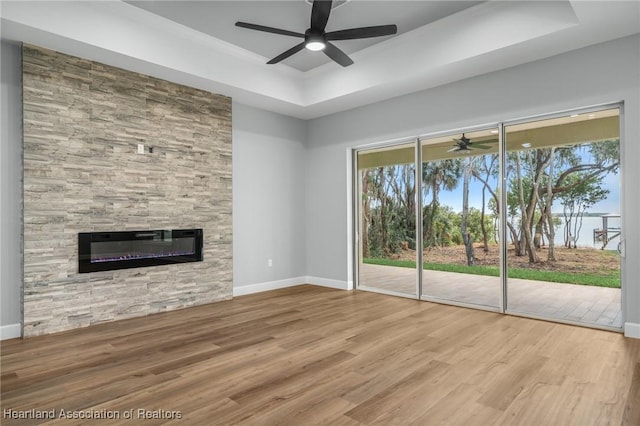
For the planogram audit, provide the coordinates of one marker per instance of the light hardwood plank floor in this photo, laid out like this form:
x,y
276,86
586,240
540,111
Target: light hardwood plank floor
x,y
310,355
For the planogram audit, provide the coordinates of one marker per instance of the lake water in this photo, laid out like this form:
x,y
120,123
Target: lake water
x,y
585,238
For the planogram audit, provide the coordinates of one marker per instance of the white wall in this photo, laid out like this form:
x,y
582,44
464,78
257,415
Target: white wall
x,y
268,203
604,73
290,176
268,199
11,191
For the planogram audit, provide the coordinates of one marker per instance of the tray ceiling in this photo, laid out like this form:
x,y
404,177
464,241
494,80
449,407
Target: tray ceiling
x,y
196,43
217,19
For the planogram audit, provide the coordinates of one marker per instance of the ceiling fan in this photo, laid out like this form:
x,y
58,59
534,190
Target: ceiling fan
x,y
315,38
464,145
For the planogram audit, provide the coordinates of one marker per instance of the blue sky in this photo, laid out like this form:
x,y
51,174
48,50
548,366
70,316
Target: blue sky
x,y
454,198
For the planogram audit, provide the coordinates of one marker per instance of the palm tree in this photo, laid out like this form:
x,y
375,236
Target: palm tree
x,y
466,237
438,175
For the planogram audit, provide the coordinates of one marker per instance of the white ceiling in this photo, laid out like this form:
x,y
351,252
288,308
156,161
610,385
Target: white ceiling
x,y
196,43
217,19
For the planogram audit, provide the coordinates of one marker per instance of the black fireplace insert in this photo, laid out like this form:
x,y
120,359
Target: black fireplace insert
x,y
105,251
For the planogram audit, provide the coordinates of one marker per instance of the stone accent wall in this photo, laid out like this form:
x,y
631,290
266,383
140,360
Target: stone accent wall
x,y
83,122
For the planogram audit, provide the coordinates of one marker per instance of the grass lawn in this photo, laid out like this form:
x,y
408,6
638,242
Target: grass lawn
x,y
612,280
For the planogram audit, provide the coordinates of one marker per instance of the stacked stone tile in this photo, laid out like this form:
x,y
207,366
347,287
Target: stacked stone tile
x,y
82,124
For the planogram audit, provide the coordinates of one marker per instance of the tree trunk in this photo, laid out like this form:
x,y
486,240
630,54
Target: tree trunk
x,y
485,243
517,241
525,210
429,234
568,221
578,227
537,238
410,197
466,237
366,214
529,247
551,254
383,205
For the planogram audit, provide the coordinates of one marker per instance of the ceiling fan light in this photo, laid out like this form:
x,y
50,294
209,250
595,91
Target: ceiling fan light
x,y
315,45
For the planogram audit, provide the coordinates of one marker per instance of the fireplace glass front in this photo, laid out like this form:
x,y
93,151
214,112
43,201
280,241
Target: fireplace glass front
x,y
104,251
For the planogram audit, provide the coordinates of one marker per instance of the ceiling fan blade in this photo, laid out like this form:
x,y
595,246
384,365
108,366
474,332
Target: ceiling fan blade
x,y
285,55
332,51
454,149
320,15
268,29
363,32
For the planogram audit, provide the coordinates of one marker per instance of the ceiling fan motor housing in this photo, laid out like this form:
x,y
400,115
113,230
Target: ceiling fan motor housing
x,y
314,40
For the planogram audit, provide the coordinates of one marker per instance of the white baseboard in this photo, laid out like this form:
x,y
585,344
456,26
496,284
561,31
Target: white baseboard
x,y
632,330
291,282
326,282
10,331
266,286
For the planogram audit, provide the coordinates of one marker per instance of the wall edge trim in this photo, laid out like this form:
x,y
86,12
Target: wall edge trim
x,y
290,282
326,282
268,285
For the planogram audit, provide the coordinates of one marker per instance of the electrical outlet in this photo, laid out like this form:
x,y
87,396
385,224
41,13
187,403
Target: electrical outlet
x,y
270,263
140,148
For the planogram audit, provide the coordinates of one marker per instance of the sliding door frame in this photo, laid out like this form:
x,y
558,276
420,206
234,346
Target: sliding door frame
x,y
502,179
419,226
558,114
453,132
357,222
502,231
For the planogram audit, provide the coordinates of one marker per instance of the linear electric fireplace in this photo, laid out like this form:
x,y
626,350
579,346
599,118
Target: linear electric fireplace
x,y
105,251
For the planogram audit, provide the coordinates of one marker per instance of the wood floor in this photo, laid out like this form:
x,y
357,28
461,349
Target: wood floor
x,y
310,355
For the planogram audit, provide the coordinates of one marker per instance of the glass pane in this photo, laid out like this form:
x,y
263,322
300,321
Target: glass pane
x,y
563,218
387,224
459,218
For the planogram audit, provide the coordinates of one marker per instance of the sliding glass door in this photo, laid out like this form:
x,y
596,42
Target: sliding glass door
x,y
563,218
522,218
460,226
387,220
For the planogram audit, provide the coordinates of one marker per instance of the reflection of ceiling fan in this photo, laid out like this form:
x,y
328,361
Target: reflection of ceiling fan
x,y
464,145
315,38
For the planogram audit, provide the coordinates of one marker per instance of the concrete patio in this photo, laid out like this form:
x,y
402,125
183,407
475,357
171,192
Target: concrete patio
x,y
587,304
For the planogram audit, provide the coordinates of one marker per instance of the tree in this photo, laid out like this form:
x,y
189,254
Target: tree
x,y
466,238
366,213
535,162
404,189
437,175
540,175
575,203
547,213
388,209
536,179
485,168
